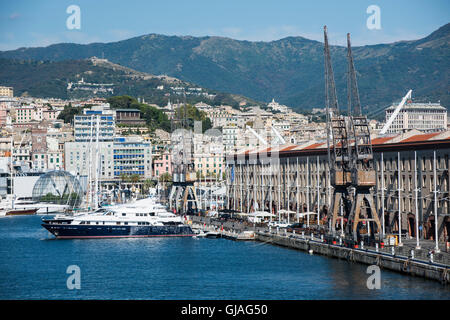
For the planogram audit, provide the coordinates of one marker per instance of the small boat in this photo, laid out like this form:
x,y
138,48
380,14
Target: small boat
x,y
212,235
199,234
8,208
41,207
21,211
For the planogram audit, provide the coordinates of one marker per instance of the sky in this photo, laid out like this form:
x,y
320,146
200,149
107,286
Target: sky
x,y
35,23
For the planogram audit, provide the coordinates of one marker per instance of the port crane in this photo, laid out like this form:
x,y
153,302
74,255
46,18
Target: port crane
x,y
350,154
338,151
182,196
362,164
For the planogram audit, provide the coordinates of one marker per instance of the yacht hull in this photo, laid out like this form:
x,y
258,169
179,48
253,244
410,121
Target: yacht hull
x,y
67,231
20,212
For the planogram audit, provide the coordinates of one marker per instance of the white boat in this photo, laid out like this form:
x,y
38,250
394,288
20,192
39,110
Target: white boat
x,y
7,208
42,207
199,233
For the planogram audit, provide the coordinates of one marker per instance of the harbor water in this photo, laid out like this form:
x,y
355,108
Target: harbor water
x,y
33,265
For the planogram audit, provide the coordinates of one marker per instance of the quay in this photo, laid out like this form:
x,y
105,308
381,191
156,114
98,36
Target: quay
x,y
405,259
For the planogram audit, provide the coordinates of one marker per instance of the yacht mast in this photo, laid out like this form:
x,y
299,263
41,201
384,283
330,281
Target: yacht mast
x,y
12,169
89,178
96,193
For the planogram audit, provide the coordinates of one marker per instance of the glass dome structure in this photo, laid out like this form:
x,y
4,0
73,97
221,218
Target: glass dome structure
x,y
59,187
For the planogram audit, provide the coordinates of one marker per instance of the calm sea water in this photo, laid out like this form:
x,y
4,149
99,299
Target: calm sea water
x,y
33,266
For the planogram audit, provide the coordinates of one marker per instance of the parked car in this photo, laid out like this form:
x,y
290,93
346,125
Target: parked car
x,y
295,226
224,216
275,224
212,214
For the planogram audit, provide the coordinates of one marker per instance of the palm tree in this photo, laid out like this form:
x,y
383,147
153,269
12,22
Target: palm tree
x,y
165,177
148,183
124,177
135,178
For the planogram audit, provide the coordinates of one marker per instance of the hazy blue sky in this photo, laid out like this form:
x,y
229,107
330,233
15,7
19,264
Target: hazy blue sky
x,y
43,22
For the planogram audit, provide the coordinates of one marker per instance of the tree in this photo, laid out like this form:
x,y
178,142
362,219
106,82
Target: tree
x,y
154,118
135,178
69,112
124,177
165,177
148,183
199,174
192,114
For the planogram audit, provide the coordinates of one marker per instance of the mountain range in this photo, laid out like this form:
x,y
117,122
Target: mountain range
x,y
289,70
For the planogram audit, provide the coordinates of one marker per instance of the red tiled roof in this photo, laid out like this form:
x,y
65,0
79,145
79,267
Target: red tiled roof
x,y
421,137
289,148
314,145
381,140
265,150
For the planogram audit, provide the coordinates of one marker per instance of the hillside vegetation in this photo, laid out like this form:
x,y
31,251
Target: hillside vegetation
x,y
289,70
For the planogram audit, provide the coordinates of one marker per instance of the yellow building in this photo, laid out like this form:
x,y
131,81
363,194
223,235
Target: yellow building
x,y
6,92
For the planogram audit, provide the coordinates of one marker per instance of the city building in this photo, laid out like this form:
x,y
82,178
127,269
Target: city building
x,y
4,111
420,116
229,138
296,178
85,126
129,117
132,156
223,116
124,156
6,91
208,154
275,106
25,114
50,114
79,158
162,163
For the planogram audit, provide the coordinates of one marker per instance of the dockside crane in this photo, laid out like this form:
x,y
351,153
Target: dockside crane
x,y
363,177
183,196
339,161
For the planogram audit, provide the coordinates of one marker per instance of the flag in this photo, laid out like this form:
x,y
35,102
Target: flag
x,y
232,173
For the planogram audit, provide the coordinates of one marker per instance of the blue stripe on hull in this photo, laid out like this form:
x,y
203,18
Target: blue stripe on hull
x,y
94,231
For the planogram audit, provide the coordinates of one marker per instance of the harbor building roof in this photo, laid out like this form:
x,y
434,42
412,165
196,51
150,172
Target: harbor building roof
x,y
411,139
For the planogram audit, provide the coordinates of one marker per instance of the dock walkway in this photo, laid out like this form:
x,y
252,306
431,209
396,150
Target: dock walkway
x,y
406,259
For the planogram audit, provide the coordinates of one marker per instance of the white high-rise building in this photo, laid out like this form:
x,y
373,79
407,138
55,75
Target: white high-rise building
x,y
80,156
86,124
419,116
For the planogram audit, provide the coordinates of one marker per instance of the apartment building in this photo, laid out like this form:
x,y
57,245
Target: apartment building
x,y
85,126
132,156
420,116
6,91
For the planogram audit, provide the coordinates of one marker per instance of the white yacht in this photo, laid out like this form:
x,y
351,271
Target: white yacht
x,y
41,207
142,218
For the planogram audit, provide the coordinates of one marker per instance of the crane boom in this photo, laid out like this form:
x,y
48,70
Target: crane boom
x,y
279,136
395,113
352,85
257,135
338,157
